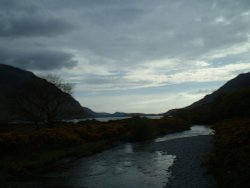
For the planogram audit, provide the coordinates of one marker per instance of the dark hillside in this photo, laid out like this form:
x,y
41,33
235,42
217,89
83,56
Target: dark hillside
x,y
242,81
13,79
230,101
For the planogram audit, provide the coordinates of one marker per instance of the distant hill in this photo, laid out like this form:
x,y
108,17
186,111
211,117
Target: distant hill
x,y
232,100
91,113
12,79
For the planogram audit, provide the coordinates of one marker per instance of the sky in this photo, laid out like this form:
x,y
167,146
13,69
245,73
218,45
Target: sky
x,y
129,55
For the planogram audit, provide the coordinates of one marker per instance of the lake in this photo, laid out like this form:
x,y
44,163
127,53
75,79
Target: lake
x,y
106,119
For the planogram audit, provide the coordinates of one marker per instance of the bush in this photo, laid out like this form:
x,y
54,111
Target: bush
x,y
172,124
140,129
229,160
12,142
54,138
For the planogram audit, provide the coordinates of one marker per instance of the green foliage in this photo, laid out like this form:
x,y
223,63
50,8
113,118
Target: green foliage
x,y
230,158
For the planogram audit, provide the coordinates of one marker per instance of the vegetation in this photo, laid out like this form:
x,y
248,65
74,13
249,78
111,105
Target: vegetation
x,y
229,161
43,102
24,149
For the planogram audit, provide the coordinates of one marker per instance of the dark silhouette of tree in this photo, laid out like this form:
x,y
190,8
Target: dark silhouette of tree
x,y
42,101
59,83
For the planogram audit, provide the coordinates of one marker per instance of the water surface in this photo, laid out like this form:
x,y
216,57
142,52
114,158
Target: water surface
x,y
106,119
140,165
129,165
195,130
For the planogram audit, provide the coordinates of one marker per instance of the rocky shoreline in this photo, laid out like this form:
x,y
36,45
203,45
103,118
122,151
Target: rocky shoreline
x,y
187,171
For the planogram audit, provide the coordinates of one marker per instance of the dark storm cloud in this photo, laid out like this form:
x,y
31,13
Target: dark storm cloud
x,y
132,32
37,59
32,26
29,19
24,25
118,35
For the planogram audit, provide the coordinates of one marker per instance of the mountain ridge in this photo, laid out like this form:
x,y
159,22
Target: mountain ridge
x,y
12,79
94,114
230,101
239,82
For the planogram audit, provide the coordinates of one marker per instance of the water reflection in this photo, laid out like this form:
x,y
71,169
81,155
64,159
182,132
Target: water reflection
x,y
128,148
123,166
196,130
106,119
129,165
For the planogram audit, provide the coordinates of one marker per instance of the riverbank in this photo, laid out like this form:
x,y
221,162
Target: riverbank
x,y
25,151
141,165
187,171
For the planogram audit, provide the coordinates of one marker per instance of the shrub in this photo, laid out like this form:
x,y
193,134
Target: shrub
x,y
140,129
172,124
230,158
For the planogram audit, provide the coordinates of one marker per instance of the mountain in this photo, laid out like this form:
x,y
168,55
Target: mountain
x,y
242,81
91,113
13,79
229,101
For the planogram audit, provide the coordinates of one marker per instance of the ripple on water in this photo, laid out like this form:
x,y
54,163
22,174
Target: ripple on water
x,y
129,165
97,168
124,166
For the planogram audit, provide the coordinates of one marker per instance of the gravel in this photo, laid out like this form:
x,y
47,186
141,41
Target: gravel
x,y
187,171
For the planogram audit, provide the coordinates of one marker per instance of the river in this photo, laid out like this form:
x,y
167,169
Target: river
x,y
139,165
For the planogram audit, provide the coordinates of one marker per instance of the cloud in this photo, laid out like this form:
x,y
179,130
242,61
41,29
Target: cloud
x,y
176,28
28,19
203,91
129,34
112,46
37,59
31,26
151,76
140,102
210,74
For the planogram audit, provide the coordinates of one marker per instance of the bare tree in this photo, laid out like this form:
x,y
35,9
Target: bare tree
x,y
59,83
42,101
